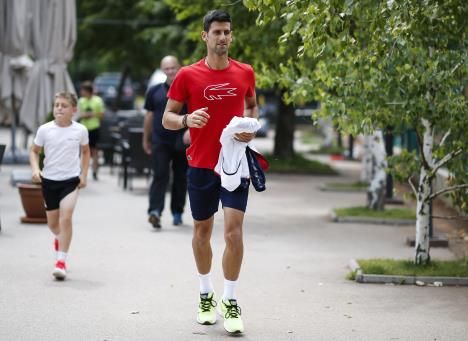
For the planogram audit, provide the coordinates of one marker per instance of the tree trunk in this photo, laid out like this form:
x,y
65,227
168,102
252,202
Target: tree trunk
x,y
376,189
388,137
284,134
423,201
118,100
327,132
366,170
350,147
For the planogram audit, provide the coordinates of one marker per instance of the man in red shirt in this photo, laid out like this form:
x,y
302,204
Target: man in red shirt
x,y
215,89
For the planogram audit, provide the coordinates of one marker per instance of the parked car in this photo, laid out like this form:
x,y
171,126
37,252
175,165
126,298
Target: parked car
x,y
106,85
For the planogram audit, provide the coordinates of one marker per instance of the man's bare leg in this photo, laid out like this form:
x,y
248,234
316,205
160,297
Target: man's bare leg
x,y
234,250
201,244
232,261
95,158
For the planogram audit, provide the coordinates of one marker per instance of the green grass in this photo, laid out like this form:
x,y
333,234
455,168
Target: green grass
x,y
299,165
328,150
311,137
361,211
455,268
347,185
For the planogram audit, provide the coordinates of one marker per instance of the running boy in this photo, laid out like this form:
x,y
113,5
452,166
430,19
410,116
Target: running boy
x,y
63,174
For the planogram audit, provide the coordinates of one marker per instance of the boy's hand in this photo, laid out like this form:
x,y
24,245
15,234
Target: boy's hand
x,y
83,182
36,177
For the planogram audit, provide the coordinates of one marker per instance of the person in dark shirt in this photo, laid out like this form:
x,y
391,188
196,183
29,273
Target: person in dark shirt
x,y
167,148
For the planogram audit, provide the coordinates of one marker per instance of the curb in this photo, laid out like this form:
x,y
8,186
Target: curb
x,y
415,280
370,220
325,188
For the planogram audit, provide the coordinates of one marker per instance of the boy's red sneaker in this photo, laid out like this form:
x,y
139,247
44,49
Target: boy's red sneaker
x,y
60,270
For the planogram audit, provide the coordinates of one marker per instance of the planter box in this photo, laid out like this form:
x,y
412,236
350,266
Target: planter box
x,y
33,204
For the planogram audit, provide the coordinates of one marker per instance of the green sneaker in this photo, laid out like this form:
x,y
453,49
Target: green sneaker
x,y
232,316
206,309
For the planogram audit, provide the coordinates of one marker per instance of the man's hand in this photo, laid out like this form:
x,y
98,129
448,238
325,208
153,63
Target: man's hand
x,y
83,182
244,137
36,177
147,146
198,119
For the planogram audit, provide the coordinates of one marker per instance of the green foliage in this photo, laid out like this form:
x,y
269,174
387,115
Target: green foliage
x,y
362,211
403,166
374,64
255,45
116,34
299,165
455,268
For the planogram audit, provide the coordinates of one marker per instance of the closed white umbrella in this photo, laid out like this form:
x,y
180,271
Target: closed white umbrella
x,y
52,39
14,63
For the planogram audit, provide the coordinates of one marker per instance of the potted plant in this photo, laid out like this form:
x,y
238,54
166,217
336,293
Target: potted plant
x,y
33,203
31,196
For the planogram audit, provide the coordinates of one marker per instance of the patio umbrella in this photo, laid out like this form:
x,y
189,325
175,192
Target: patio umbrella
x,y
14,63
53,36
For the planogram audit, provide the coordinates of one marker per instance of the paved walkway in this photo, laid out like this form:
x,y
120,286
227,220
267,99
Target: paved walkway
x,y
130,282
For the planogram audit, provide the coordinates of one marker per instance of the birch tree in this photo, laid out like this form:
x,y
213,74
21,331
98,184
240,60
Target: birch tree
x,y
381,63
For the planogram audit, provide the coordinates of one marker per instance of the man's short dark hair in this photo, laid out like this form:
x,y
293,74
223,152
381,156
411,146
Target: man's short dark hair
x,y
87,86
215,15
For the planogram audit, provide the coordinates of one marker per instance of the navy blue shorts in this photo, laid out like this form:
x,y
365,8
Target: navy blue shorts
x,y
205,191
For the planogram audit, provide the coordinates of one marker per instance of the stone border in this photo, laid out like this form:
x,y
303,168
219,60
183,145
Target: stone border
x,y
326,188
417,280
371,220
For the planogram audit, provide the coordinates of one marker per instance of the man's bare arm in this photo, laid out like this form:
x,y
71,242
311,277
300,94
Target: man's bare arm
x,y
173,121
251,107
251,110
147,130
171,118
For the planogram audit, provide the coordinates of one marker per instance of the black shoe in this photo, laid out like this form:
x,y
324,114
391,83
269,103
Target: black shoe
x,y
95,176
155,220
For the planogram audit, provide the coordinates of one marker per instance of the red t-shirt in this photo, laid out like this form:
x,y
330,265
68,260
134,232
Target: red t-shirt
x,y
223,92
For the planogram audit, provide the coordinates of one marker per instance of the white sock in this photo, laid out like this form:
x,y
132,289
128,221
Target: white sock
x,y
229,287
206,286
62,256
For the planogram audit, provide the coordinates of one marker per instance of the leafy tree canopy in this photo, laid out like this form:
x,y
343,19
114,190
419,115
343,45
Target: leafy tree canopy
x,y
380,63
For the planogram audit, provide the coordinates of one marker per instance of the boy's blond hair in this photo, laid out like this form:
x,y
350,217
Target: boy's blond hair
x,y
70,97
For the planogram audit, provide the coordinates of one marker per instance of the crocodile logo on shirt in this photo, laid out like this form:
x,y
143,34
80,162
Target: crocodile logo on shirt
x,y
218,91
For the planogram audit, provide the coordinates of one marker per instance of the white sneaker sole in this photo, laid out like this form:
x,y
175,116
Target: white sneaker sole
x,y
206,323
59,274
220,312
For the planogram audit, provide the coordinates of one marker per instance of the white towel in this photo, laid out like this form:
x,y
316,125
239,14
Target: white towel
x,y
232,163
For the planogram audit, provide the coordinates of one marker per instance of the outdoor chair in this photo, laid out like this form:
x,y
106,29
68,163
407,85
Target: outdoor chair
x,y
119,137
134,160
109,125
